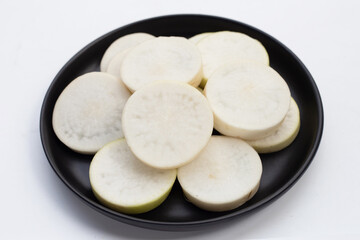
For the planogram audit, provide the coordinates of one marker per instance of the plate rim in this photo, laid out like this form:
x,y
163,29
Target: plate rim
x,y
132,219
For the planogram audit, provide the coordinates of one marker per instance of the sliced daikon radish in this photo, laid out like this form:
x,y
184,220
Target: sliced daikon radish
x,y
283,136
125,184
248,100
88,112
222,47
198,37
121,44
162,58
224,176
115,64
167,123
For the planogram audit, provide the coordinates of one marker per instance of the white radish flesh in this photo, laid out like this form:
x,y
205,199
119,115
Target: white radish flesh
x,y
283,136
88,112
162,58
222,47
248,100
121,44
115,64
166,124
225,175
123,183
198,37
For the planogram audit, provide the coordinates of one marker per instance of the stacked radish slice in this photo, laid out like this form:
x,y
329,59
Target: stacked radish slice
x,y
148,123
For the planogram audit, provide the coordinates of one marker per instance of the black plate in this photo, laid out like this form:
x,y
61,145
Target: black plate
x,y
280,170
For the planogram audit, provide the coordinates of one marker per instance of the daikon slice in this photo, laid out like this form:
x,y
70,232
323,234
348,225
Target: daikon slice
x,y
222,47
162,58
248,100
123,183
224,176
121,44
283,136
88,112
166,124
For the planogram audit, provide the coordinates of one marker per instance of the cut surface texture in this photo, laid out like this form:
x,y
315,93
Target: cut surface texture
x,y
283,136
121,44
222,47
162,58
167,123
224,176
122,182
248,100
115,64
198,37
88,112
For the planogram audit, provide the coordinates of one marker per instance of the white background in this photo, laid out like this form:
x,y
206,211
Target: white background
x,y
38,37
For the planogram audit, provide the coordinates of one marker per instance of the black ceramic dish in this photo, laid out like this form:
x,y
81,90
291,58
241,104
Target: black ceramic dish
x,y
280,170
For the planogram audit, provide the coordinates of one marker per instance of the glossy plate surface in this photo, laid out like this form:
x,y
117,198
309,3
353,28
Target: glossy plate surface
x,y
280,170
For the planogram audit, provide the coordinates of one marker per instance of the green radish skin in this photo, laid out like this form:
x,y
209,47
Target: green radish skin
x,y
134,209
283,136
123,183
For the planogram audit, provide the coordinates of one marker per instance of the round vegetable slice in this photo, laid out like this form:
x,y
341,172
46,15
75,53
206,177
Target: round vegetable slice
x,y
222,47
224,176
115,64
198,37
248,100
283,136
166,124
121,44
123,183
162,58
88,112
